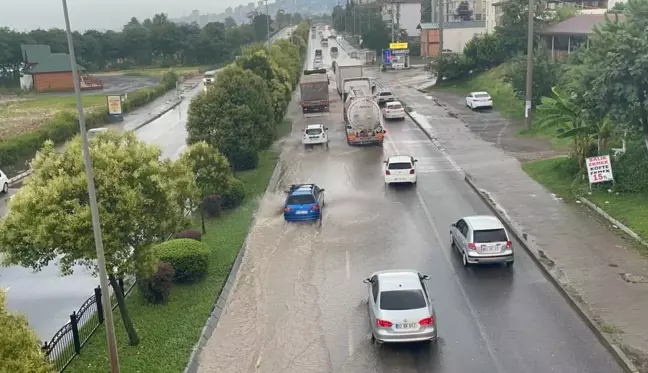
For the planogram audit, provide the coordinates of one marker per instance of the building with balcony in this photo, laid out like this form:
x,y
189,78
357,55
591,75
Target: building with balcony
x,y
405,13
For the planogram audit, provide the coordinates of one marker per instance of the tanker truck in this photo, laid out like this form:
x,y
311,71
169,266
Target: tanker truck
x,y
362,116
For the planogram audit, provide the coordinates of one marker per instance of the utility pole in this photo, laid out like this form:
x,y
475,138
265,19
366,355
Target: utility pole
x,y
398,20
391,13
267,20
529,75
441,19
94,209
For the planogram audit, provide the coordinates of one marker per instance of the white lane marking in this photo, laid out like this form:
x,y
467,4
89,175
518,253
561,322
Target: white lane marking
x,y
348,266
350,341
448,258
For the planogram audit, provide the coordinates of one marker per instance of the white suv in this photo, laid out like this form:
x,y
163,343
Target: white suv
x,y
315,134
4,182
400,169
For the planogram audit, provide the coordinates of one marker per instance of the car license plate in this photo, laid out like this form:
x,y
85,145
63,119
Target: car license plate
x,y
301,212
406,326
489,249
313,137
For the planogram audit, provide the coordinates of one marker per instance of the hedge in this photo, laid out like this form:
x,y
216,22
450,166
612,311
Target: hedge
x,y
65,124
189,258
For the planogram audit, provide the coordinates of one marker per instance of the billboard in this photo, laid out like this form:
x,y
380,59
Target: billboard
x,y
398,45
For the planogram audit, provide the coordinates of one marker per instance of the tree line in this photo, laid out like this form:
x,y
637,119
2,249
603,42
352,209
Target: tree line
x,y
595,98
366,22
142,198
153,41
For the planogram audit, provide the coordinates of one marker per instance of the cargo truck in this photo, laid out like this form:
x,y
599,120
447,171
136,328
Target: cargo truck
x,y
343,72
362,118
314,91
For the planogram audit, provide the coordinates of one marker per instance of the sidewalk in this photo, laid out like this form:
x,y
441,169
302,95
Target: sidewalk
x,y
576,245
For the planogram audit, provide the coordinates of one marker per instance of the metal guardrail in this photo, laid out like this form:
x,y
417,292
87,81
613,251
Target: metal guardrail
x,y
68,341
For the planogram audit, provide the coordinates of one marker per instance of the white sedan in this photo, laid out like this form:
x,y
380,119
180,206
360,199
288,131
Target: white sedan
x,y
315,134
4,182
393,110
400,169
477,100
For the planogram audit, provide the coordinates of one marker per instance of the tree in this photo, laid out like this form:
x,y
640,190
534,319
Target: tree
x,y
235,116
619,7
547,74
614,79
229,22
19,345
139,200
260,22
463,12
211,172
377,36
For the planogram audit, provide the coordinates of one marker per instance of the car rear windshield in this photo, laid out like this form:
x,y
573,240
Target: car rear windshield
x,y
385,93
302,199
482,95
400,166
397,106
399,300
491,235
313,131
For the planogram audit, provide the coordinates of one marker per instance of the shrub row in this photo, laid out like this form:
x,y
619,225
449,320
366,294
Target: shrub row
x,y
65,125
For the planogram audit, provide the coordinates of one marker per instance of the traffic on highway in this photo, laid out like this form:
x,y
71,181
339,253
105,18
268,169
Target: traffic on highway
x,y
399,266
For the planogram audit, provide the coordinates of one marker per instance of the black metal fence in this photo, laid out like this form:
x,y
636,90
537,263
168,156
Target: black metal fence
x,y
68,341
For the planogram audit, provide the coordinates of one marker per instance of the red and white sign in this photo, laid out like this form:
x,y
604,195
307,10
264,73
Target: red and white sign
x,y
599,169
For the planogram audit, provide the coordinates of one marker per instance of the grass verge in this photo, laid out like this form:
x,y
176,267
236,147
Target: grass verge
x,y
505,102
168,332
629,209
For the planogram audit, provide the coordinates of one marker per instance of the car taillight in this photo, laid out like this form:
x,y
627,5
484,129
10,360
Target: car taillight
x,y
472,246
316,207
427,321
509,243
383,323
412,171
387,172
287,208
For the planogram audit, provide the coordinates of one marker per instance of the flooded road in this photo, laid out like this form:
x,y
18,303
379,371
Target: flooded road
x,y
299,304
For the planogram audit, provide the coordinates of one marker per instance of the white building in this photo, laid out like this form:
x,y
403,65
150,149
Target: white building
x,y
406,13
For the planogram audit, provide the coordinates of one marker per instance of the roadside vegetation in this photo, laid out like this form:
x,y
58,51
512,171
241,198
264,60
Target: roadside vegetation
x,y
203,201
591,103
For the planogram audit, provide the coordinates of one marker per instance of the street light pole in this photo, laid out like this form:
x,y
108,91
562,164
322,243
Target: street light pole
x,y
267,20
96,226
441,19
529,74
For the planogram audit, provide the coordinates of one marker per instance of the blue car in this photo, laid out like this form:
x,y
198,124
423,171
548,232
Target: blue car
x,y
304,202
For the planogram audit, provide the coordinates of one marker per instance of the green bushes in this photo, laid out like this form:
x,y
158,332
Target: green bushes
x,y
65,124
194,235
234,195
189,258
156,288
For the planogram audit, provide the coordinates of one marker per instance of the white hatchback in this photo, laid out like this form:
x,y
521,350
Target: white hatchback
x,y
4,182
400,169
394,110
477,100
315,134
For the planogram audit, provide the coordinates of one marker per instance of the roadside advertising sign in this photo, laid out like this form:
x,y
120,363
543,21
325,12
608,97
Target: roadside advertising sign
x,y
387,58
398,45
114,105
599,169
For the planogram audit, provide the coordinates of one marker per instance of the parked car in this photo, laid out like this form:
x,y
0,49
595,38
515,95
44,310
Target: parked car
x,y
4,181
393,110
482,239
400,307
304,202
315,134
477,100
400,169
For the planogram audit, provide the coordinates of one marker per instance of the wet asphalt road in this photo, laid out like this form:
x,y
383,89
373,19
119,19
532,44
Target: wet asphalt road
x,y
299,304
48,299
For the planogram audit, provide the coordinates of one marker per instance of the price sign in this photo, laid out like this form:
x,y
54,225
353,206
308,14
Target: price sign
x,y
599,169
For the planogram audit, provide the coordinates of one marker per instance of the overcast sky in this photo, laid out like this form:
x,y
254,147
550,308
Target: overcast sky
x,y
100,14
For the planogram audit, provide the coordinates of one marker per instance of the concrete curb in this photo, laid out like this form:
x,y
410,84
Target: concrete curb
x,y
534,252
612,220
221,301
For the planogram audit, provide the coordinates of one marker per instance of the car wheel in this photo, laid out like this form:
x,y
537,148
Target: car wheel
x,y
5,188
464,258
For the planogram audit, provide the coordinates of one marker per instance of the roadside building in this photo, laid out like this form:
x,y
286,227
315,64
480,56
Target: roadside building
x,y
455,36
45,71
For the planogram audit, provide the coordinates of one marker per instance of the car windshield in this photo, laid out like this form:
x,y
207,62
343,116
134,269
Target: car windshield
x,y
301,199
397,106
385,93
313,131
400,166
400,300
490,235
482,95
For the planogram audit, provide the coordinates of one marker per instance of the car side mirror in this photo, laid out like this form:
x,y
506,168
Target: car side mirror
x,y
425,277
367,280
416,160
325,128
385,162
453,224
348,127
321,190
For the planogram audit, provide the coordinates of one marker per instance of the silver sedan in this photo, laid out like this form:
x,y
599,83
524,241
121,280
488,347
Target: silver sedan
x,y
400,309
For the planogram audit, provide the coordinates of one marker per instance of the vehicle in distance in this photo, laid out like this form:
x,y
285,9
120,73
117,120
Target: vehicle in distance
x,y
334,52
209,77
315,134
363,119
385,96
4,181
304,202
324,42
481,239
400,169
476,100
400,309
394,110
332,36
314,91
318,53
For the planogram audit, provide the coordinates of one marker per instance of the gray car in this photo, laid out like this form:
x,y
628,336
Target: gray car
x,y
481,239
400,309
